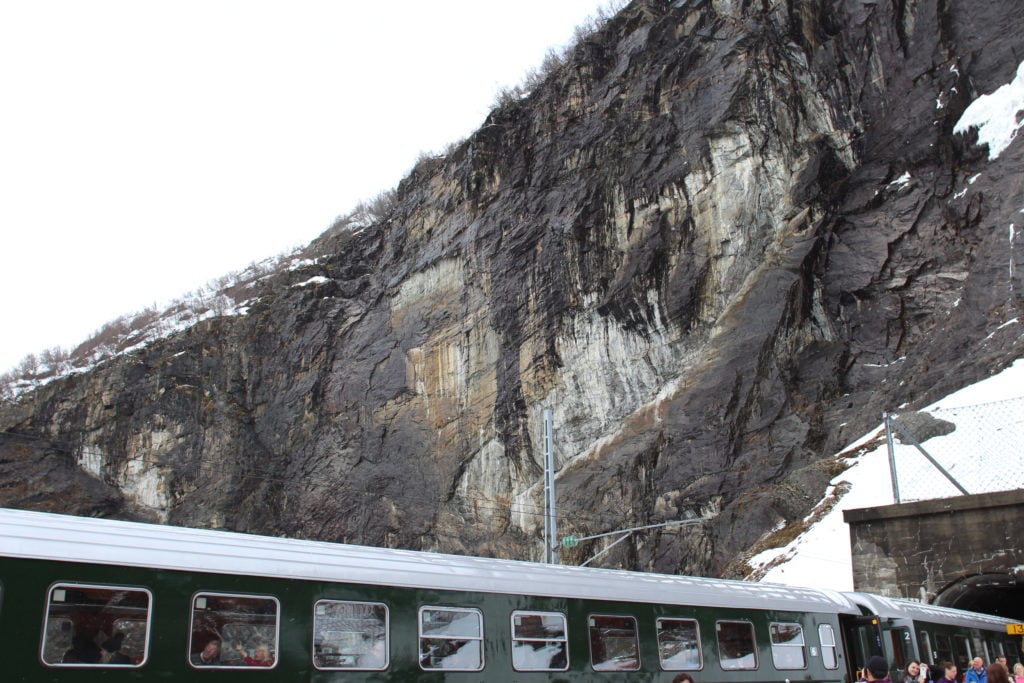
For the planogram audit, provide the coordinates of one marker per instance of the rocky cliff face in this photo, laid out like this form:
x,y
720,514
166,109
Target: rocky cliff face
x,y
717,243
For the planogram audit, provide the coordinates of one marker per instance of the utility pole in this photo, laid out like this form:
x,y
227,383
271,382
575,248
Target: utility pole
x,y
550,527
892,458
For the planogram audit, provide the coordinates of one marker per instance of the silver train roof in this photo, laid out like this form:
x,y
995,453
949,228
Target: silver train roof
x,y
898,608
42,535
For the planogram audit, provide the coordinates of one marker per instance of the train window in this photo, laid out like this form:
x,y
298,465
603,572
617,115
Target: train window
x,y
962,652
233,630
991,651
613,643
736,646
539,641
451,639
924,646
943,648
985,648
679,645
787,646
827,638
350,635
88,625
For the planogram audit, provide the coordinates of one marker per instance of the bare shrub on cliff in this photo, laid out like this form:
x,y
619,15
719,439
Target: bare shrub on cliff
x,y
366,213
7,381
28,366
596,21
56,359
555,59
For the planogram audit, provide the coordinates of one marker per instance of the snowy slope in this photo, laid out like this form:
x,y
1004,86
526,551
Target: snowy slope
x,y
820,557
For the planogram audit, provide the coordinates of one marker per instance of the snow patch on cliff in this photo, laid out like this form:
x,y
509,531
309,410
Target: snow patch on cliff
x,y
995,116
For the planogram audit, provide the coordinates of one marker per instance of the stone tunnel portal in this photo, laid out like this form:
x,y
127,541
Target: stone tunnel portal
x,y
998,594
962,552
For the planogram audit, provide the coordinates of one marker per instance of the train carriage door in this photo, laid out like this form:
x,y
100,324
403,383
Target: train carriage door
x,y
862,639
902,643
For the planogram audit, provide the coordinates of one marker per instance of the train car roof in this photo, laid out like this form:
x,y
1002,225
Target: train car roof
x,y
898,608
40,535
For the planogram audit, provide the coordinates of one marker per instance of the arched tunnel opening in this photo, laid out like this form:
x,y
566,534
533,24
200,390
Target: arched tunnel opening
x,y
1001,595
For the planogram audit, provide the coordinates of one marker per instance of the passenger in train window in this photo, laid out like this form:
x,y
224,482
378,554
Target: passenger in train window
x,y
997,673
260,655
976,674
949,675
209,656
111,650
83,651
877,669
683,678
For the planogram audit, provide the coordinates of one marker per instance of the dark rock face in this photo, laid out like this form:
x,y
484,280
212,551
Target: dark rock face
x,y
717,243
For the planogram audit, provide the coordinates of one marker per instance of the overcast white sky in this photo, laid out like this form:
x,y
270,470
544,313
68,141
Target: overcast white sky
x,y
147,147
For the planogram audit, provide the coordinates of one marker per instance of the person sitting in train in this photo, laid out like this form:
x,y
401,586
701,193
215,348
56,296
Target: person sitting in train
x,y
209,656
83,651
877,669
260,655
949,675
110,650
976,674
915,672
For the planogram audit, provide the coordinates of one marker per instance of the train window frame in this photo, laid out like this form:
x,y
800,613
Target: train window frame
x,y
924,646
661,654
224,640
479,639
60,588
320,608
829,647
517,638
592,631
753,645
783,650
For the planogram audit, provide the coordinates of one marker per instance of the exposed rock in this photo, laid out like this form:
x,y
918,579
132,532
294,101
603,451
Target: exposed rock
x,y
920,426
717,243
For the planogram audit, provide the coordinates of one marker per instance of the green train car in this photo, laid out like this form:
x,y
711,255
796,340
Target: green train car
x,y
86,599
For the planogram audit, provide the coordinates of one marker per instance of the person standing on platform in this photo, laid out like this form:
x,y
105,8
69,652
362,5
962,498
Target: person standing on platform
x,y
950,673
997,673
877,670
976,674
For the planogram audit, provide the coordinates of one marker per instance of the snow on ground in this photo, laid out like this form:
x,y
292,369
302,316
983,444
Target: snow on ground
x,y
820,557
995,115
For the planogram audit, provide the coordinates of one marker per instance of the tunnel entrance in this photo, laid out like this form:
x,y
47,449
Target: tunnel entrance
x,y
999,594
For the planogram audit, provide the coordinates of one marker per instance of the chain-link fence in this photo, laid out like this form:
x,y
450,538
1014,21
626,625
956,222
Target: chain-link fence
x,y
947,452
